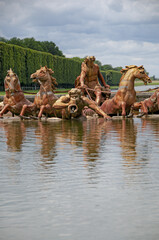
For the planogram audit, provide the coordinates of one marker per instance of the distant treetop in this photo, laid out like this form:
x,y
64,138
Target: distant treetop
x,y
105,67
43,46
50,47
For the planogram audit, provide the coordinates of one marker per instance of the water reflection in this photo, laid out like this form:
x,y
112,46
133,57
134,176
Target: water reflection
x,y
71,176
149,138
46,138
15,134
127,138
89,139
152,126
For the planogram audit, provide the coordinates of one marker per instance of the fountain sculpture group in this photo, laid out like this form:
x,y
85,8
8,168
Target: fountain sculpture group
x,y
88,98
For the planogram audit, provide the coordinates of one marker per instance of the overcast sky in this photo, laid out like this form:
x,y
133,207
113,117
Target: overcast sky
x,y
116,32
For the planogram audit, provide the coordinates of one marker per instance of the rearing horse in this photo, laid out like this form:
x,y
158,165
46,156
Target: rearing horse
x,y
126,94
14,98
45,98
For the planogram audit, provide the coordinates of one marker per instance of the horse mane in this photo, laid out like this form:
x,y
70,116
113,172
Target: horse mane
x,y
124,70
10,71
52,78
53,82
127,68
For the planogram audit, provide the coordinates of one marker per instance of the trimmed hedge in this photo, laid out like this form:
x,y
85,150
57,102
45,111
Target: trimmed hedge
x,y
25,61
112,77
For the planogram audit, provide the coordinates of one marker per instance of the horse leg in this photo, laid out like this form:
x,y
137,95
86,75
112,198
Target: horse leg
x,y
41,111
24,108
134,107
144,109
4,110
44,108
123,105
131,113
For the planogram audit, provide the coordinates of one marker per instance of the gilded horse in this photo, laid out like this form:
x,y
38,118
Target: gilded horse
x,y
125,97
14,98
45,98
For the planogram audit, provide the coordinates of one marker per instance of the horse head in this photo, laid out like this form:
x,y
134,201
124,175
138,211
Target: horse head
x,y
44,76
11,82
137,72
141,74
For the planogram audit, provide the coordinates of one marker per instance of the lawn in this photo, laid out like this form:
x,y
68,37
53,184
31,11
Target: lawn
x,y
33,92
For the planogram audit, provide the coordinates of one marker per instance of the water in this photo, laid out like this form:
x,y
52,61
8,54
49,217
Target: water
x,y
79,180
146,87
141,88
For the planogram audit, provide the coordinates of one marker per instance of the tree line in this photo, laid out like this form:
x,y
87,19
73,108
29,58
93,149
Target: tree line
x,y
43,46
25,61
104,67
50,47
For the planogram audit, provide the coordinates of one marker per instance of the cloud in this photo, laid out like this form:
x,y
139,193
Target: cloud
x,y
116,32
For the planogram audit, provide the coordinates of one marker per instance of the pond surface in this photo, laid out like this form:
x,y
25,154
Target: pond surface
x,y
146,87
141,88
79,180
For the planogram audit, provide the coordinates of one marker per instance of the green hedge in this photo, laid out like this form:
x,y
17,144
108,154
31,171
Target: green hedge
x,y
25,61
112,77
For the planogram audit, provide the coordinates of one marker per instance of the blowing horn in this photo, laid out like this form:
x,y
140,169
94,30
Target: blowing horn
x,y
72,108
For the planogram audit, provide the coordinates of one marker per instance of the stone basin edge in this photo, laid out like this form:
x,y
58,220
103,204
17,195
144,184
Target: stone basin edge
x,y
140,96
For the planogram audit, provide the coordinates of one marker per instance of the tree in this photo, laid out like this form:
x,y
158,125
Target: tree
x,y
98,63
153,77
2,39
16,41
117,68
78,59
44,46
106,67
32,43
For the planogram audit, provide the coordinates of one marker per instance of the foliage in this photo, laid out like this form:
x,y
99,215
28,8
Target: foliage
x,y
153,77
106,67
117,69
109,67
112,77
31,43
98,63
25,61
78,59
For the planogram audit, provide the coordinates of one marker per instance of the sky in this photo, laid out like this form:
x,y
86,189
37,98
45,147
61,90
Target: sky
x,y
119,33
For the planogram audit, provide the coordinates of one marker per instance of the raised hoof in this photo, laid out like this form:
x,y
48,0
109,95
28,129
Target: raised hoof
x,y
24,117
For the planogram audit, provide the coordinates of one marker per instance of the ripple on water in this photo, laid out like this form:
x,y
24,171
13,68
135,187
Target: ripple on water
x,y
79,180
